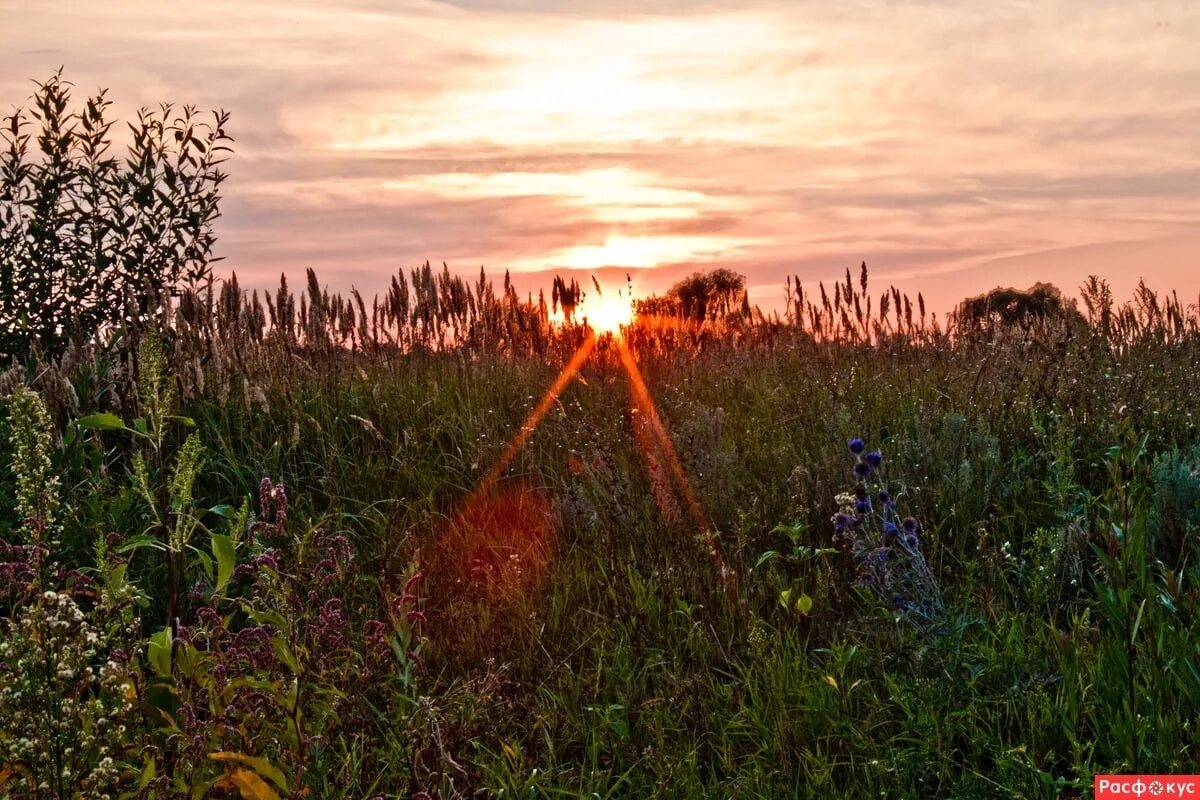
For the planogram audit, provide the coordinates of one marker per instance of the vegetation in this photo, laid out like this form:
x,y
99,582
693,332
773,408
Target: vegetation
x,y
306,546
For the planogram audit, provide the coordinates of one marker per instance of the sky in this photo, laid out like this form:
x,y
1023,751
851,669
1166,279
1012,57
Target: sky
x,y
953,146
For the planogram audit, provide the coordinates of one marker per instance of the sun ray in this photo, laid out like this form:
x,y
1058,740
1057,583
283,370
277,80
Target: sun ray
x,y
644,403
532,421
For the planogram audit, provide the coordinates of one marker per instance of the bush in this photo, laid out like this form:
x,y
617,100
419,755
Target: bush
x,y
89,239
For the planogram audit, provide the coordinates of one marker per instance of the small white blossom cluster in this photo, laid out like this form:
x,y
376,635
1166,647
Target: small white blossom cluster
x,y
64,706
37,485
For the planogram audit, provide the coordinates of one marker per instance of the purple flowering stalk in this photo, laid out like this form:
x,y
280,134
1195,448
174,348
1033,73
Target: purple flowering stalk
x,y
886,547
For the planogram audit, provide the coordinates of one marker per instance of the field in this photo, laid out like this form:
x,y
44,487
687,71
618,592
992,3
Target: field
x,y
626,607
450,541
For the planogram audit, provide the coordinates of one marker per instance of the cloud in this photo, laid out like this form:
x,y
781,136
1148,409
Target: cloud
x,y
933,140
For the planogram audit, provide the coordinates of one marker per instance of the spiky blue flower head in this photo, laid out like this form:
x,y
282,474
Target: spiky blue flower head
x,y
910,541
910,525
875,459
857,445
890,529
885,498
862,469
863,505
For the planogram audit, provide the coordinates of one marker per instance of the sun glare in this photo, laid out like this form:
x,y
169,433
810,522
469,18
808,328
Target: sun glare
x,y
608,314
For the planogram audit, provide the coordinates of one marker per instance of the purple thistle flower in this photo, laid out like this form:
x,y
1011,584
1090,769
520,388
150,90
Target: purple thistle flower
x,y
875,459
862,470
857,445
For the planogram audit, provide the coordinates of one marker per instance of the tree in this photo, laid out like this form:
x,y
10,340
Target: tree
x,y
700,296
1002,308
90,240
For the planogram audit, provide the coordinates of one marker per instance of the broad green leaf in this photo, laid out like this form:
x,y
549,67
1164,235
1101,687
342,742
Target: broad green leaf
x,y
620,728
101,422
148,773
804,604
159,652
785,599
223,551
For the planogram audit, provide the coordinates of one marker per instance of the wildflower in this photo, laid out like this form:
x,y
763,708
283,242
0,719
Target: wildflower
x,y
887,549
857,445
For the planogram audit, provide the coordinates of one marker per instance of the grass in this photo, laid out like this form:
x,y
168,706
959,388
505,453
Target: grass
x,y
578,638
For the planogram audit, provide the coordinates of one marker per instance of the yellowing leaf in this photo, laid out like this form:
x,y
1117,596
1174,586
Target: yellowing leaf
x,y
258,763
832,681
251,786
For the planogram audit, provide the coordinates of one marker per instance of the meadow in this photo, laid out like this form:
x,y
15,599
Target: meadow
x,y
306,545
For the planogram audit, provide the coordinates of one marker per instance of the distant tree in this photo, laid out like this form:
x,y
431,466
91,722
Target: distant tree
x,y
1001,308
701,296
89,239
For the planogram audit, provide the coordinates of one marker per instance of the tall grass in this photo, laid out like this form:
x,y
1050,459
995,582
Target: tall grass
x,y
580,641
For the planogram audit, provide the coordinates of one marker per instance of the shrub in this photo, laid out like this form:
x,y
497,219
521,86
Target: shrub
x,y
89,240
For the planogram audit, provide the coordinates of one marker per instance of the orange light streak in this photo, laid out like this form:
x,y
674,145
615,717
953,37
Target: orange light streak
x,y
533,420
643,402
652,440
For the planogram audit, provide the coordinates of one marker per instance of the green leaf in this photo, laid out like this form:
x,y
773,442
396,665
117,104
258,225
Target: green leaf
x,y
224,510
764,558
620,728
148,773
223,551
101,422
804,604
206,563
159,652
284,654
141,540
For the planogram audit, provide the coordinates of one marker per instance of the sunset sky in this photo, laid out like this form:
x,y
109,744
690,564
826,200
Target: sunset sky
x,y
953,146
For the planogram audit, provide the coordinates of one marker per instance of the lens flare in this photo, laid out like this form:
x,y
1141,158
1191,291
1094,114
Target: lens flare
x,y
485,508
608,314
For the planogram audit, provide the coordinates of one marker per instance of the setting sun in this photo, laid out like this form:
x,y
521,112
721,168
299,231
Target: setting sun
x,y
653,398
608,314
